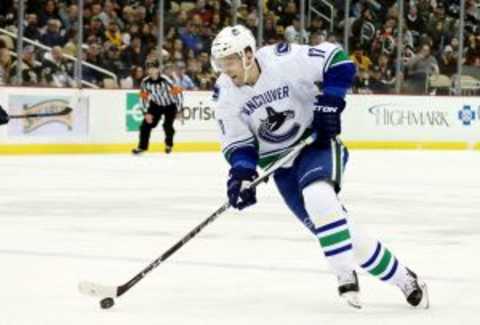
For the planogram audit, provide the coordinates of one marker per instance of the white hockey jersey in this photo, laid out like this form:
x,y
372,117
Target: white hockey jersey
x,y
275,113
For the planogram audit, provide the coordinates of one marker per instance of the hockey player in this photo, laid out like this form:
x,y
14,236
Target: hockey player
x,y
268,100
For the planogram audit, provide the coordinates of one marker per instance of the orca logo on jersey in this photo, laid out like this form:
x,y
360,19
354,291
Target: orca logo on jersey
x,y
273,122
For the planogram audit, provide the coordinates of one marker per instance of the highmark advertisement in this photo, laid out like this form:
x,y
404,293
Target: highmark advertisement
x,y
73,124
399,118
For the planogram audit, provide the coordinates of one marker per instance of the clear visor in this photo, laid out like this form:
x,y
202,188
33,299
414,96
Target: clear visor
x,y
227,63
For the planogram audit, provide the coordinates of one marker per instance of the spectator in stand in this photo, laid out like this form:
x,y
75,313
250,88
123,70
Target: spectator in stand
x,y
455,43
128,15
54,70
132,31
141,14
5,66
216,22
289,14
193,70
151,10
415,23
293,33
413,20
134,79
270,32
472,56
384,41
204,11
30,67
440,26
361,60
318,38
95,28
206,37
93,56
332,38
182,79
242,13
113,62
6,6
363,29
472,16
178,50
70,46
204,60
423,63
49,12
31,30
149,38
97,12
251,23
112,34
425,8
316,25
69,16
376,85
111,15
387,70
190,38
447,62
52,36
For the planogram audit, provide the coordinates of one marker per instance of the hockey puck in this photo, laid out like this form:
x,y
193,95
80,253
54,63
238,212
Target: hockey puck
x,y
107,303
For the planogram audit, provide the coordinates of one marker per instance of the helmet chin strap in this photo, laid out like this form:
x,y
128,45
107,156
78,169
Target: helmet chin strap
x,y
245,67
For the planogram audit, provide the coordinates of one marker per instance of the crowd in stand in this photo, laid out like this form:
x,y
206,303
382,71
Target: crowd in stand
x,y
430,41
121,35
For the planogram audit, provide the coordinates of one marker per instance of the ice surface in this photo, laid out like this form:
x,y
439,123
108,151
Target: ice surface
x,y
103,218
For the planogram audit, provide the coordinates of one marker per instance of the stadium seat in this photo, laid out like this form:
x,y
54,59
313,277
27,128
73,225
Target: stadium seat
x,y
439,82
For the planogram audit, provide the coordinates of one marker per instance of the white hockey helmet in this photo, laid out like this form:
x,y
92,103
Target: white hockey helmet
x,y
231,40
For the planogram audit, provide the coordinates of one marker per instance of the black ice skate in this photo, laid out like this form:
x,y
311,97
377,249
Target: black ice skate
x,y
138,151
168,149
416,291
349,289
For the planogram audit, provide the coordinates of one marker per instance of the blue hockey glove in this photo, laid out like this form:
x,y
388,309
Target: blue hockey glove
x,y
326,117
239,195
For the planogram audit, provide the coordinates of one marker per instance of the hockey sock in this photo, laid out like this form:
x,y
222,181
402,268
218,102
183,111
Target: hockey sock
x,y
330,225
376,258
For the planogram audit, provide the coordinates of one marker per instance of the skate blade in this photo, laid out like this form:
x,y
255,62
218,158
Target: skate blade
x,y
352,299
425,302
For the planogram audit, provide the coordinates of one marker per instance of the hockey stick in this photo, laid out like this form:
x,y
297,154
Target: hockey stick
x,y
4,117
108,292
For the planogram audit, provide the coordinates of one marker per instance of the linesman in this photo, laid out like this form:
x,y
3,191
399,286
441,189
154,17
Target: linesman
x,y
160,97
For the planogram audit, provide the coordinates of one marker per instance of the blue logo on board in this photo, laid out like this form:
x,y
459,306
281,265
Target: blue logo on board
x,y
466,115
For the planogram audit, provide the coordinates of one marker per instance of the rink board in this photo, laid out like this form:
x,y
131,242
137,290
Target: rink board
x,y
107,121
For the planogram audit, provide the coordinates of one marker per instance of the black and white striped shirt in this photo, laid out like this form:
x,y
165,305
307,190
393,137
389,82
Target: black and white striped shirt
x,y
161,91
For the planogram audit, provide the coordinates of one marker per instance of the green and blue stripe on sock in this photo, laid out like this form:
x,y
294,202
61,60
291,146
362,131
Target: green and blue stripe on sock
x,y
381,264
334,237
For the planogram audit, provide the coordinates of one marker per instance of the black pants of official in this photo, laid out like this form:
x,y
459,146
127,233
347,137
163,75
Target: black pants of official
x,y
168,112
